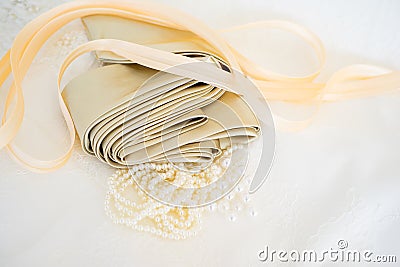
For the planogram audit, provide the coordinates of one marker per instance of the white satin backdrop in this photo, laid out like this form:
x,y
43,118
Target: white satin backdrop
x,y
337,179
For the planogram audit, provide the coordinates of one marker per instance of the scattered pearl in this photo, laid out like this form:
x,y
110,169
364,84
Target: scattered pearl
x,y
232,217
253,213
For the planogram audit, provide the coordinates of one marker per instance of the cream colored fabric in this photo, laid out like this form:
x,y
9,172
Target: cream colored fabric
x,y
349,82
130,114
151,35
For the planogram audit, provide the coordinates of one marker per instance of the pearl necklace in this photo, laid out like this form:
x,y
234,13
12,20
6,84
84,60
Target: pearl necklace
x,y
128,205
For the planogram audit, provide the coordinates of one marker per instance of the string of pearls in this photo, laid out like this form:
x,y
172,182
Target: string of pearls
x,y
128,205
142,213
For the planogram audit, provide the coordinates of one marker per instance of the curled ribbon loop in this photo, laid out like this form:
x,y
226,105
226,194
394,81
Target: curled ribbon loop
x,y
349,82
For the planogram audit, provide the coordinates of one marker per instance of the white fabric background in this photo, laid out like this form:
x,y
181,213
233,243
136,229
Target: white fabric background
x,y
337,179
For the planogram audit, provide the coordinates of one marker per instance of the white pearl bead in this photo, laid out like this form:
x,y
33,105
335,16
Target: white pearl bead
x,y
232,217
253,213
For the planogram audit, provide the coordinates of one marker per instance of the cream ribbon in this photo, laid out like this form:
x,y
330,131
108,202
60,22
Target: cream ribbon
x,y
349,82
130,114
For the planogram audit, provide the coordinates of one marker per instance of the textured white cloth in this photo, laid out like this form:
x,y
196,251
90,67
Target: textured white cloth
x,y
337,179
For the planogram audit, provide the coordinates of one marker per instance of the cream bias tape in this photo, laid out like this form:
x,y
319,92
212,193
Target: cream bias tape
x,y
122,125
237,123
347,83
26,46
258,73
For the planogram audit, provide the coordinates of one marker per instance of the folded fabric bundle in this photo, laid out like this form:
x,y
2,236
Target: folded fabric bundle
x,y
153,36
127,114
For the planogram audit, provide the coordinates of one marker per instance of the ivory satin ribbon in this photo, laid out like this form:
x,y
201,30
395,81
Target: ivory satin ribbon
x,y
130,114
125,116
349,82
